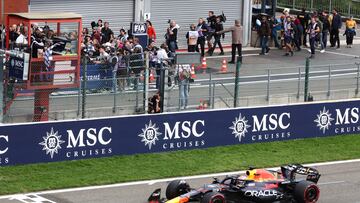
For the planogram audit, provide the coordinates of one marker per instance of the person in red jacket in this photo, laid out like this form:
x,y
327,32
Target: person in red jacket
x,y
151,32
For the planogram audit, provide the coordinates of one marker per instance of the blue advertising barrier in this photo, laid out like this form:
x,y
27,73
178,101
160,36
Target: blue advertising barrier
x,y
99,76
72,140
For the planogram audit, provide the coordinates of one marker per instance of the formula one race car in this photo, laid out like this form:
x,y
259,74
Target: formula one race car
x,y
293,183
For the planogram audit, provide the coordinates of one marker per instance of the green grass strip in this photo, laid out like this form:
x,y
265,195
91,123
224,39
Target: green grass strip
x,y
36,177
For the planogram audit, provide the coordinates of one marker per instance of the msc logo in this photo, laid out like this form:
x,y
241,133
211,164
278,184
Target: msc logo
x,y
181,130
5,138
84,138
343,117
239,127
262,126
51,143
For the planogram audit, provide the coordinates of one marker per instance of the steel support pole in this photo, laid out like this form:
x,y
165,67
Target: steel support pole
x,y
299,84
357,79
329,82
2,58
114,81
210,86
84,81
268,85
146,84
237,74
306,88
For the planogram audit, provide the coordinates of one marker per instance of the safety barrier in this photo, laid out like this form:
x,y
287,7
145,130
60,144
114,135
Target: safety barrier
x,y
93,138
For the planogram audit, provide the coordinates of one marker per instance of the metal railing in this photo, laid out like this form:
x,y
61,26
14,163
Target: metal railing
x,y
107,91
345,7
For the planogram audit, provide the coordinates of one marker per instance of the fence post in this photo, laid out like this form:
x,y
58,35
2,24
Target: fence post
x,y
330,6
210,83
306,88
237,73
293,4
114,88
312,4
79,99
268,85
329,82
162,86
357,79
299,84
84,81
146,83
2,57
213,96
349,9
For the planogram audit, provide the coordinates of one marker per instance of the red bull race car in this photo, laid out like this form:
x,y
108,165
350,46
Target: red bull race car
x,y
293,183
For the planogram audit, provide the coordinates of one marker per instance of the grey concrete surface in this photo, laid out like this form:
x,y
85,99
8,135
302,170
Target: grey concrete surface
x,y
339,183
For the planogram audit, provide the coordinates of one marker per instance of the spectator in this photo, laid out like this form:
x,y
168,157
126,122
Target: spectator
x,y
21,40
326,27
350,31
218,27
171,36
319,35
211,21
123,35
298,32
13,35
150,31
155,101
288,36
104,56
264,33
335,27
106,33
121,70
192,37
313,31
161,55
100,24
203,30
304,18
137,45
96,34
183,73
275,28
237,37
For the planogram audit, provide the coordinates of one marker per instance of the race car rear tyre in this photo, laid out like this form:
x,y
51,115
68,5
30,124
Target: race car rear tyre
x,y
176,188
213,197
306,192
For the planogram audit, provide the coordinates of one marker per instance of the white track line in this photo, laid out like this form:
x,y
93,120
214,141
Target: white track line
x,y
342,54
151,182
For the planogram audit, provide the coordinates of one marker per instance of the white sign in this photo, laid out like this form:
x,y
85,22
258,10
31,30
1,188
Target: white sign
x,y
147,16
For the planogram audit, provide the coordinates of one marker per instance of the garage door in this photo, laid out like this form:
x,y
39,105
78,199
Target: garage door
x,y
118,13
186,12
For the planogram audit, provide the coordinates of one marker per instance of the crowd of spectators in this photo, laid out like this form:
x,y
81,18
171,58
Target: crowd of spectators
x,y
293,32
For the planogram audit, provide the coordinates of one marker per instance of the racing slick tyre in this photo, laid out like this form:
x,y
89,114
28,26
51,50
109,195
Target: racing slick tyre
x,y
213,197
306,192
177,188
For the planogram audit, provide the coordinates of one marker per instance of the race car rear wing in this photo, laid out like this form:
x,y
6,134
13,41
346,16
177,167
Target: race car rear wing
x,y
289,172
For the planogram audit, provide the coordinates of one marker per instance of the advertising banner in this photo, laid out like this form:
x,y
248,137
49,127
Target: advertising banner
x,y
72,140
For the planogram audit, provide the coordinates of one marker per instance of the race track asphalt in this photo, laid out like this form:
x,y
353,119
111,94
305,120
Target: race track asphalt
x,y
339,183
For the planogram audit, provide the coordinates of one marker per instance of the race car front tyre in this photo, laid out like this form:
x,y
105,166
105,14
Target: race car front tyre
x,y
213,197
176,188
306,192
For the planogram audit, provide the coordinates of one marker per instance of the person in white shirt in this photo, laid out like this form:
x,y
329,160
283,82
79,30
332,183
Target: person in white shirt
x,y
21,40
161,56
